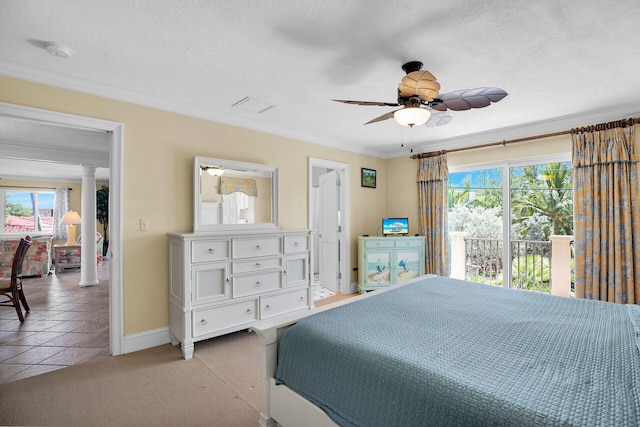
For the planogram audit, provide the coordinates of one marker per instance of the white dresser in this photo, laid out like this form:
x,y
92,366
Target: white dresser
x,y
221,283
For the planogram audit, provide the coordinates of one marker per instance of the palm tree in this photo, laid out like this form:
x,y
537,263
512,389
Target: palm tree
x,y
458,195
545,190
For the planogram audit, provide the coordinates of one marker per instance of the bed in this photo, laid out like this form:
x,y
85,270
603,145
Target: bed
x,y
440,351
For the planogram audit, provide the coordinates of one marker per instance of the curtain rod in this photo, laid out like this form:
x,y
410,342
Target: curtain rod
x,y
41,188
618,123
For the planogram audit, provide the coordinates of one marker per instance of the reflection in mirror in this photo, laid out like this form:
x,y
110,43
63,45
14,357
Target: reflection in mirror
x,y
231,195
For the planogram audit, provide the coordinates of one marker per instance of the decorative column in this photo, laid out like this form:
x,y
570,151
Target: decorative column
x,y
561,265
458,255
88,263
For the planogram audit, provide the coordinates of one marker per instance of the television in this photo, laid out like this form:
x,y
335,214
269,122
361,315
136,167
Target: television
x,y
392,226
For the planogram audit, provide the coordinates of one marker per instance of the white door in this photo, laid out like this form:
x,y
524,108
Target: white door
x,y
328,231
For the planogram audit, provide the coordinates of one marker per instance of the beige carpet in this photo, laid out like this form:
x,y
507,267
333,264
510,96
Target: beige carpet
x,y
220,386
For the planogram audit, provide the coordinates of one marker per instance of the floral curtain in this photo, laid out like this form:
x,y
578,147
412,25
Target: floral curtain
x,y
61,207
243,185
607,213
433,180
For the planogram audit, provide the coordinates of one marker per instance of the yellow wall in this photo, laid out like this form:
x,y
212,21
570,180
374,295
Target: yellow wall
x,y
158,159
541,147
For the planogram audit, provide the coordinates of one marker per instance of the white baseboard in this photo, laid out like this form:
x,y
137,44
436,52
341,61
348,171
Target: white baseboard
x,y
146,339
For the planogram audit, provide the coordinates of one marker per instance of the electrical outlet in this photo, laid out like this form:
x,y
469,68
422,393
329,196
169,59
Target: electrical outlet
x,y
144,224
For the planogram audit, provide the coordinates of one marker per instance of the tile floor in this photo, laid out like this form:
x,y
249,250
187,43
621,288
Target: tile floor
x,y
320,292
67,325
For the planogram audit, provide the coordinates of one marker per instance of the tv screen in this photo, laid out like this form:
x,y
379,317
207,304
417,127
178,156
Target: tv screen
x,y
395,226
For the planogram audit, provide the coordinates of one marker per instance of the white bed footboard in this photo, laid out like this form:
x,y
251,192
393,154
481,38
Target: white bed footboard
x,y
281,405
279,402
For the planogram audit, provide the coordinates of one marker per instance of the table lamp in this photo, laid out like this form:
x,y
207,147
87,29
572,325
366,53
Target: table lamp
x,y
70,219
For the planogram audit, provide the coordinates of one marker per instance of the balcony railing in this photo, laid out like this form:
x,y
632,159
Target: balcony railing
x,y
541,266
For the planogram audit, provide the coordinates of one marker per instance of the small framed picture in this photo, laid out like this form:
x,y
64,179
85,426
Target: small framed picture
x,y
368,177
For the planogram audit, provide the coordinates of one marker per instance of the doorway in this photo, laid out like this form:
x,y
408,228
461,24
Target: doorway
x,y
330,222
507,212
115,131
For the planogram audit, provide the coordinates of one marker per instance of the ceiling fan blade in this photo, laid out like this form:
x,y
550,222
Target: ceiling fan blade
x,y
471,98
385,116
438,118
419,83
380,104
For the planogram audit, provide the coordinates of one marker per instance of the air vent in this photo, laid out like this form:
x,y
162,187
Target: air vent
x,y
252,105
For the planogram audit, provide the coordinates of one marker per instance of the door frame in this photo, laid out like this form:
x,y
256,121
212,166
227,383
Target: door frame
x,y
506,166
344,246
116,130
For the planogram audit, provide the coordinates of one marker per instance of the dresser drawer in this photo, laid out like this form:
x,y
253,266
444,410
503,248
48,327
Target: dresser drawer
x,y
296,243
206,321
246,248
379,243
209,250
283,303
256,265
409,243
256,283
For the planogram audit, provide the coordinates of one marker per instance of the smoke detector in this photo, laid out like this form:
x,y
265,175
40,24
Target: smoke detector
x,y
59,50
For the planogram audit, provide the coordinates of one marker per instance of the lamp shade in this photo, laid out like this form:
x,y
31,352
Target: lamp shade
x,y
71,217
412,116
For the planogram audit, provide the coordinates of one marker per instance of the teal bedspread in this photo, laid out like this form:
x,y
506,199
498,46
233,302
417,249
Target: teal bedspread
x,y
446,352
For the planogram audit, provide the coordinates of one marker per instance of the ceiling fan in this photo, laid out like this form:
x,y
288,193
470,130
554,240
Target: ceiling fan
x,y
422,103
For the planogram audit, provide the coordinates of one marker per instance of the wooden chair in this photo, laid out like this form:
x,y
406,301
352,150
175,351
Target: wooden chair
x,y
11,287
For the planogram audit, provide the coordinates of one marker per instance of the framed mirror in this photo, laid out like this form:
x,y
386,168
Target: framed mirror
x,y
230,195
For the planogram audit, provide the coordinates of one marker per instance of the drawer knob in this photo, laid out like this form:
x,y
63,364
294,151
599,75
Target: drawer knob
x,y
258,247
267,307
211,250
258,265
301,298
249,311
296,244
258,283
203,321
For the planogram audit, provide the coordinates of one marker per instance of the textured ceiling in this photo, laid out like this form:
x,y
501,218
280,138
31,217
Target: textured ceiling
x,y
564,63
40,150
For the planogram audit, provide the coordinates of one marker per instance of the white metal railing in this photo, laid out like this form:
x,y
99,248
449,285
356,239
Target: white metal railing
x,y
542,266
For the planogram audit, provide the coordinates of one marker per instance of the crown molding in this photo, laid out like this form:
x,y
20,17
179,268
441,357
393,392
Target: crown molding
x,y
42,76
532,129
39,75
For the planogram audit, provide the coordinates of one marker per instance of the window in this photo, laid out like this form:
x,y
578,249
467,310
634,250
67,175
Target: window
x,y
238,208
27,211
507,212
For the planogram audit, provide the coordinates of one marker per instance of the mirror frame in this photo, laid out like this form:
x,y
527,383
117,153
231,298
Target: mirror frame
x,y
199,161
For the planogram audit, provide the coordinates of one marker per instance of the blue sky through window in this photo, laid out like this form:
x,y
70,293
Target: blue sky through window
x,y
45,200
484,178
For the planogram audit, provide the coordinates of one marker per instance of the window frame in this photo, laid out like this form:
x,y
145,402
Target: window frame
x,y
506,165
17,189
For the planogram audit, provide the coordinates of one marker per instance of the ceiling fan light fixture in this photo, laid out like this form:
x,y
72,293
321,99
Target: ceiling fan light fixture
x,y
412,116
213,170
